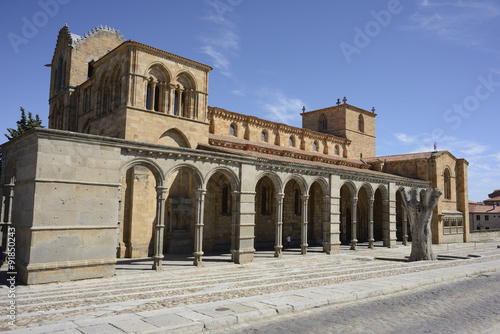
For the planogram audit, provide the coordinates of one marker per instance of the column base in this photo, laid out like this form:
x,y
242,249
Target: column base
x,y
303,249
354,244
370,243
157,263
198,259
405,240
243,256
278,251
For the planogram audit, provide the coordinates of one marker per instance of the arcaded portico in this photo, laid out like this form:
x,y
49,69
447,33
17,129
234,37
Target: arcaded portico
x,y
135,165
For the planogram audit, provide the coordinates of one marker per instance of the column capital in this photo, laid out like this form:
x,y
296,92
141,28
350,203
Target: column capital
x,y
280,196
305,197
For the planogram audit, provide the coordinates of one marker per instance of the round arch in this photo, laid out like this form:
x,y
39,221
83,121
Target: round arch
x,y
191,168
228,172
322,183
186,78
300,181
278,185
174,137
160,67
369,190
351,186
151,165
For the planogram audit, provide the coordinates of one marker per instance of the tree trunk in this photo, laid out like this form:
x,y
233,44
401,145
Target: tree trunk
x,y
419,206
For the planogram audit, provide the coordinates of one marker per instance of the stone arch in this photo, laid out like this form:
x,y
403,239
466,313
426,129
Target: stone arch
x,y
278,184
381,213
316,211
220,210
186,79
116,90
139,217
300,180
191,168
325,187
174,137
365,194
159,71
447,176
348,192
267,188
228,172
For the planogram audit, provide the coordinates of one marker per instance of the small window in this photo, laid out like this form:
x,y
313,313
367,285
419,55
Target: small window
x,y
232,130
336,149
315,146
478,217
296,203
486,217
264,136
176,103
361,124
225,199
157,98
290,143
447,184
361,155
90,70
148,97
263,201
324,123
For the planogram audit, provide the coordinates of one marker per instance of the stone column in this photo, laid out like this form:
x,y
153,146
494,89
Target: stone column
x,y
370,224
159,227
171,99
198,234
179,102
235,231
354,207
278,245
153,89
303,235
405,226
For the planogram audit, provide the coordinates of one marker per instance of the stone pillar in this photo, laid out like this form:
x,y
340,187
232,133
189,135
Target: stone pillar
x,y
278,245
303,235
171,99
404,219
354,207
389,225
370,224
153,95
235,231
159,227
198,234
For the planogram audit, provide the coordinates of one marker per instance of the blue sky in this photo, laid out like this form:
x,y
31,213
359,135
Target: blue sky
x,y
430,68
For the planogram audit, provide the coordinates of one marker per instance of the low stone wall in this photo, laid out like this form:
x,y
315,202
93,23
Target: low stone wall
x,y
485,236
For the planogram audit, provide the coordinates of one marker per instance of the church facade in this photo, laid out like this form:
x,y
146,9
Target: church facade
x,y
136,164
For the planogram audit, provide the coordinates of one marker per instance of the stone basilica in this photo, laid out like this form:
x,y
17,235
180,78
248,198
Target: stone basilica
x,y
135,164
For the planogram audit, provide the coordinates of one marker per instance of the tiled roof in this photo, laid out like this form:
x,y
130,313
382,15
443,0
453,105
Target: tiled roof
x,y
290,160
401,157
481,208
494,199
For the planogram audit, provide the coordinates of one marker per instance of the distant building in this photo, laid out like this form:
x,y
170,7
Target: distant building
x,y
486,215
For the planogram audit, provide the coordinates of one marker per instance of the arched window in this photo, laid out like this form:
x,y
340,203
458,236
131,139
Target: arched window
x,y
336,149
296,203
290,143
447,184
361,124
232,130
263,201
176,103
225,199
264,136
324,123
157,98
315,146
149,92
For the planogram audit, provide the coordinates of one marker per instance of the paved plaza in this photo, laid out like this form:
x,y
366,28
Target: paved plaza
x,y
188,299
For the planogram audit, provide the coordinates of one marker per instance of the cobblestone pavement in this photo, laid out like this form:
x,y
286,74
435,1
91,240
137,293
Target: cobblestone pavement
x,y
470,305
139,294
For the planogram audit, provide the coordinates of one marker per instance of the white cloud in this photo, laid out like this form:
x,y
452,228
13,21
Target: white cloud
x,y
460,22
404,138
281,108
238,92
221,40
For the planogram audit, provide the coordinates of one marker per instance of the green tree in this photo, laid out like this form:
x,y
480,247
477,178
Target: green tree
x,y
23,125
